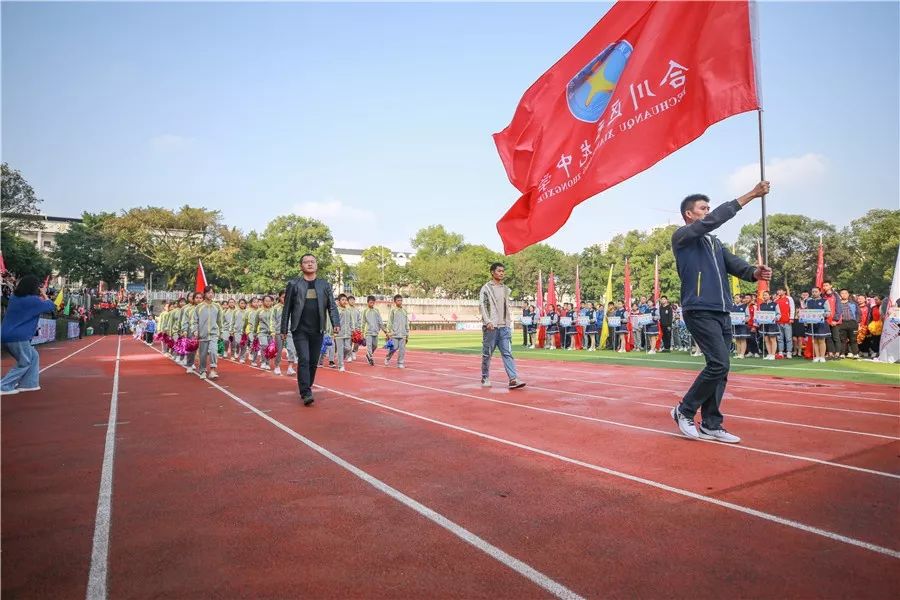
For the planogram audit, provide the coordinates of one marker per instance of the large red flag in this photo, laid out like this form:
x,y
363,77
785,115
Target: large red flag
x,y
629,339
820,266
649,78
201,278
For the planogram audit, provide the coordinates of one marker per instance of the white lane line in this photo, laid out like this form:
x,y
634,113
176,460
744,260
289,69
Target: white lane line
x,y
523,569
520,567
641,480
97,579
535,373
742,447
556,365
82,349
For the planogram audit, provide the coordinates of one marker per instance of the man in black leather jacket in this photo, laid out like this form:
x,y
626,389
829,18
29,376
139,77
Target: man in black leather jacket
x,y
308,305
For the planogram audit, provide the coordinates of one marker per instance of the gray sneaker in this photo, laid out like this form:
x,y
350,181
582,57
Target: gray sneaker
x,y
685,425
485,382
717,435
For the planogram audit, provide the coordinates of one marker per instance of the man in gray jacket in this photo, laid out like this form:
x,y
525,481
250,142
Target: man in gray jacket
x,y
496,319
307,301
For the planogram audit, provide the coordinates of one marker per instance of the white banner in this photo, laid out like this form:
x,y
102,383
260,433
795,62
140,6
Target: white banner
x,y
764,317
584,321
527,320
811,315
72,330
468,326
890,335
565,321
614,321
46,331
738,318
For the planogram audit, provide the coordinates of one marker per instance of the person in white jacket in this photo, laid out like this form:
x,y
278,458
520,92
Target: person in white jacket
x,y
496,326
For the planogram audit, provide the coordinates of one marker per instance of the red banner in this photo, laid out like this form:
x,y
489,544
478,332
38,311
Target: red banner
x,y
820,266
649,78
201,278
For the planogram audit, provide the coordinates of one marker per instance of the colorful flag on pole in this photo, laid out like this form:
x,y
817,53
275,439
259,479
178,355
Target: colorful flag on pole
x,y
656,302
629,339
68,308
820,265
761,285
201,278
649,78
607,297
59,300
735,286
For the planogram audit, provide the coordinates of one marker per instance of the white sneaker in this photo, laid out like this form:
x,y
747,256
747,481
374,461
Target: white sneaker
x,y
401,366
531,347
244,360
32,389
651,351
213,374
9,392
685,425
341,370
277,370
291,371
202,375
787,356
266,367
189,370
717,435
770,357
387,361
696,354
485,383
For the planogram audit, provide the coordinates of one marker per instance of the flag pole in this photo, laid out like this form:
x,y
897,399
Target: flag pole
x,y
762,177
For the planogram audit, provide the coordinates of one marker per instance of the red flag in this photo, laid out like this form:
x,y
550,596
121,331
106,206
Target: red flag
x,y
551,291
128,311
551,299
629,339
201,278
649,78
579,330
820,266
656,301
2,264
761,285
539,299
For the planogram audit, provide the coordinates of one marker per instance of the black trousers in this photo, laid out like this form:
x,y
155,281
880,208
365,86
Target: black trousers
x,y
848,330
833,342
712,332
667,337
309,346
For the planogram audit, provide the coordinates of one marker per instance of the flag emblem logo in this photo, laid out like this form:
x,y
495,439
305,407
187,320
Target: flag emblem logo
x,y
589,92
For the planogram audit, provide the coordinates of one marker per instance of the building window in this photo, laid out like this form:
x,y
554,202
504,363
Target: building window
x,y
47,244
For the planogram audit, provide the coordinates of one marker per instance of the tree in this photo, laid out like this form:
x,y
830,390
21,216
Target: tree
x,y
22,258
89,252
873,241
18,202
793,248
277,252
465,272
522,270
172,241
432,245
378,272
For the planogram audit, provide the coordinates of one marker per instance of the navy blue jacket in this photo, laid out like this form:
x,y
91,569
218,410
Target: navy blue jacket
x,y
704,263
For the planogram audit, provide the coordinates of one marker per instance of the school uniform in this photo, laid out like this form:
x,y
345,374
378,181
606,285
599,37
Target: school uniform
x,y
250,329
188,331
741,331
770,329
372,325
207,323
266,327
342,345
819,330
398,332
236,332
227,324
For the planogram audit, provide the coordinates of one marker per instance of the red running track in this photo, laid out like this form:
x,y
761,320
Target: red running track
x,y
584,484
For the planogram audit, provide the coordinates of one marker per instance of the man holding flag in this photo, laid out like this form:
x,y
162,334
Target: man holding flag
x,y
703,266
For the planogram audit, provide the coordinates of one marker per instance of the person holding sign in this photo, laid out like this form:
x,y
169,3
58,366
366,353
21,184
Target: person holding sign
x,y
739,324
767,316
816,316
704,264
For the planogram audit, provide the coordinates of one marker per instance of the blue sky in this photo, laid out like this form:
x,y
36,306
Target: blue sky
x,y
377,118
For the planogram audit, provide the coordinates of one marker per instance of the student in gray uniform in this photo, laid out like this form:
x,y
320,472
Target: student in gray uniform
x,y
266,327
357,324
342,340
373,325
188,330
398,332
239,319
227,325
207,323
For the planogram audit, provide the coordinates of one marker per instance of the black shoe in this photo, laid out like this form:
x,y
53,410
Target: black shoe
x,y
307,399
371,362
330,363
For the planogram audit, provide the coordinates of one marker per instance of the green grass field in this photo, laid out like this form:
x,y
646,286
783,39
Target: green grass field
x,y
469,342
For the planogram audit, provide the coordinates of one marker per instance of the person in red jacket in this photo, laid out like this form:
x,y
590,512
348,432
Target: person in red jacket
x,y
832,342
785,329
